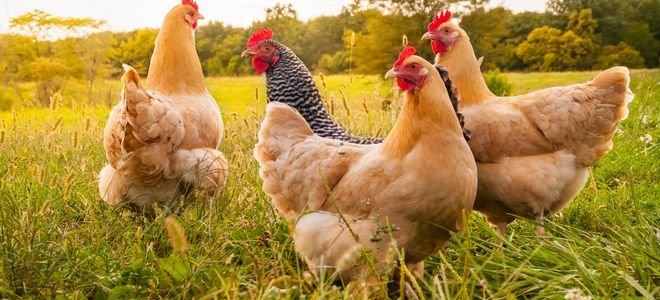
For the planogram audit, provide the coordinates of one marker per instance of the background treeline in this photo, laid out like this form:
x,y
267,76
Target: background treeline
x,y
364,38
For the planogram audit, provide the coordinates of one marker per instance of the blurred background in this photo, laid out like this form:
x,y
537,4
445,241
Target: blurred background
x,y
55,44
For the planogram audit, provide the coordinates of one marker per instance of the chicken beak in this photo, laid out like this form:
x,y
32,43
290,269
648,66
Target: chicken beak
x,y
247,53
200,16
428,36
392,73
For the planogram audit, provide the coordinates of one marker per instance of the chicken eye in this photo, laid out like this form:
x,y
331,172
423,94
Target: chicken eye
x,y
414,66
446,30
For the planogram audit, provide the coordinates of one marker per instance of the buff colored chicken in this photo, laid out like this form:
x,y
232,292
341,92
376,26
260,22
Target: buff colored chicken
x,y
161,140
418,185
533,151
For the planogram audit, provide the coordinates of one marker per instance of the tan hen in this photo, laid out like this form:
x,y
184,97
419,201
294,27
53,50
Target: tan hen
x,y
533,151
417,185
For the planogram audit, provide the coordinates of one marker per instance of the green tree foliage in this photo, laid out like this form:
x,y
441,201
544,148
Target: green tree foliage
x,y
365,37
41,25
327,33
287,28
497,83
52,63
619,55
378,46
639,36
583,25
488,33
548,49
219,47
94,52
421,7
636,22
521,24
136,50
335,63
15,52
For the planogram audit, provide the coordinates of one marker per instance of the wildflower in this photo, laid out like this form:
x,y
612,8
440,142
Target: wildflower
x,y
576,294
646,139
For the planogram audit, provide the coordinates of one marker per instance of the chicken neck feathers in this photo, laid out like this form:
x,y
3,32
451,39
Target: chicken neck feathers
x,y
290,82
175,68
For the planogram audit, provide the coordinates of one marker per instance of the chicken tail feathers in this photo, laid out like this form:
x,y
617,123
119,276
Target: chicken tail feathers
x,y
616,80
151,118
282,127
612,90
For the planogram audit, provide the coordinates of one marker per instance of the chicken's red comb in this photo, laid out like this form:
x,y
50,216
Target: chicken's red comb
x,y
192,3
405,53
258,36
438,19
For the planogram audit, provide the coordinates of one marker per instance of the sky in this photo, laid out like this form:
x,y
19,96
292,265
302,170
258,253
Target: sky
x,y
124,15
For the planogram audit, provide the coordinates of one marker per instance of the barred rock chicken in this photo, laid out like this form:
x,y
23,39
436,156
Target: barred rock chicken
x,y
160,140
289,81
418,185
533,151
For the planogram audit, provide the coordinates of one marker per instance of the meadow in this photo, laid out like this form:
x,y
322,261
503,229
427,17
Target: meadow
x,y
59,240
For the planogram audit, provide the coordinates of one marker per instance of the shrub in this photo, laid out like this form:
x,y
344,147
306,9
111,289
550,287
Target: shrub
x,y
6,99
497,83
619,55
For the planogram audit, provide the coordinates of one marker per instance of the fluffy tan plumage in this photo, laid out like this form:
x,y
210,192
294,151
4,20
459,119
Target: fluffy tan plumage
x,y
161,140
420,181
533,151
175,71
147,164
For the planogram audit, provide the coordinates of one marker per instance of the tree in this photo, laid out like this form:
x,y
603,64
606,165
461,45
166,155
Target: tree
x,y
521,24
41,25
50,74
281,11
639,36
287,28
619,55
488,33
94,51
49,70
548,49
213,42
16,51
136,50
380,42
422,7
323,35
226,59
584,26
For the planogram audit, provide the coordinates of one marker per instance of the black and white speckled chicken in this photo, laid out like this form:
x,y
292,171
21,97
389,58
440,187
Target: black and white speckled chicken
x,y
289,81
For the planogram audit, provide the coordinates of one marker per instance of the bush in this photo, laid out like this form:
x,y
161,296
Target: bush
x,y
334,64
619,55
6,99
497,83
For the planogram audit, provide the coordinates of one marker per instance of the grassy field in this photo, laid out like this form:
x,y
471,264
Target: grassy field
x,y
59,240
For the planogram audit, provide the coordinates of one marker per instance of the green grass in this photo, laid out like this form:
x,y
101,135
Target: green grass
x,y
59,240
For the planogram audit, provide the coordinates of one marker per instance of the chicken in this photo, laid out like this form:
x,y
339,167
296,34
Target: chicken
x,y
161,140
143,141
289,81
533,151
418,185
176,72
